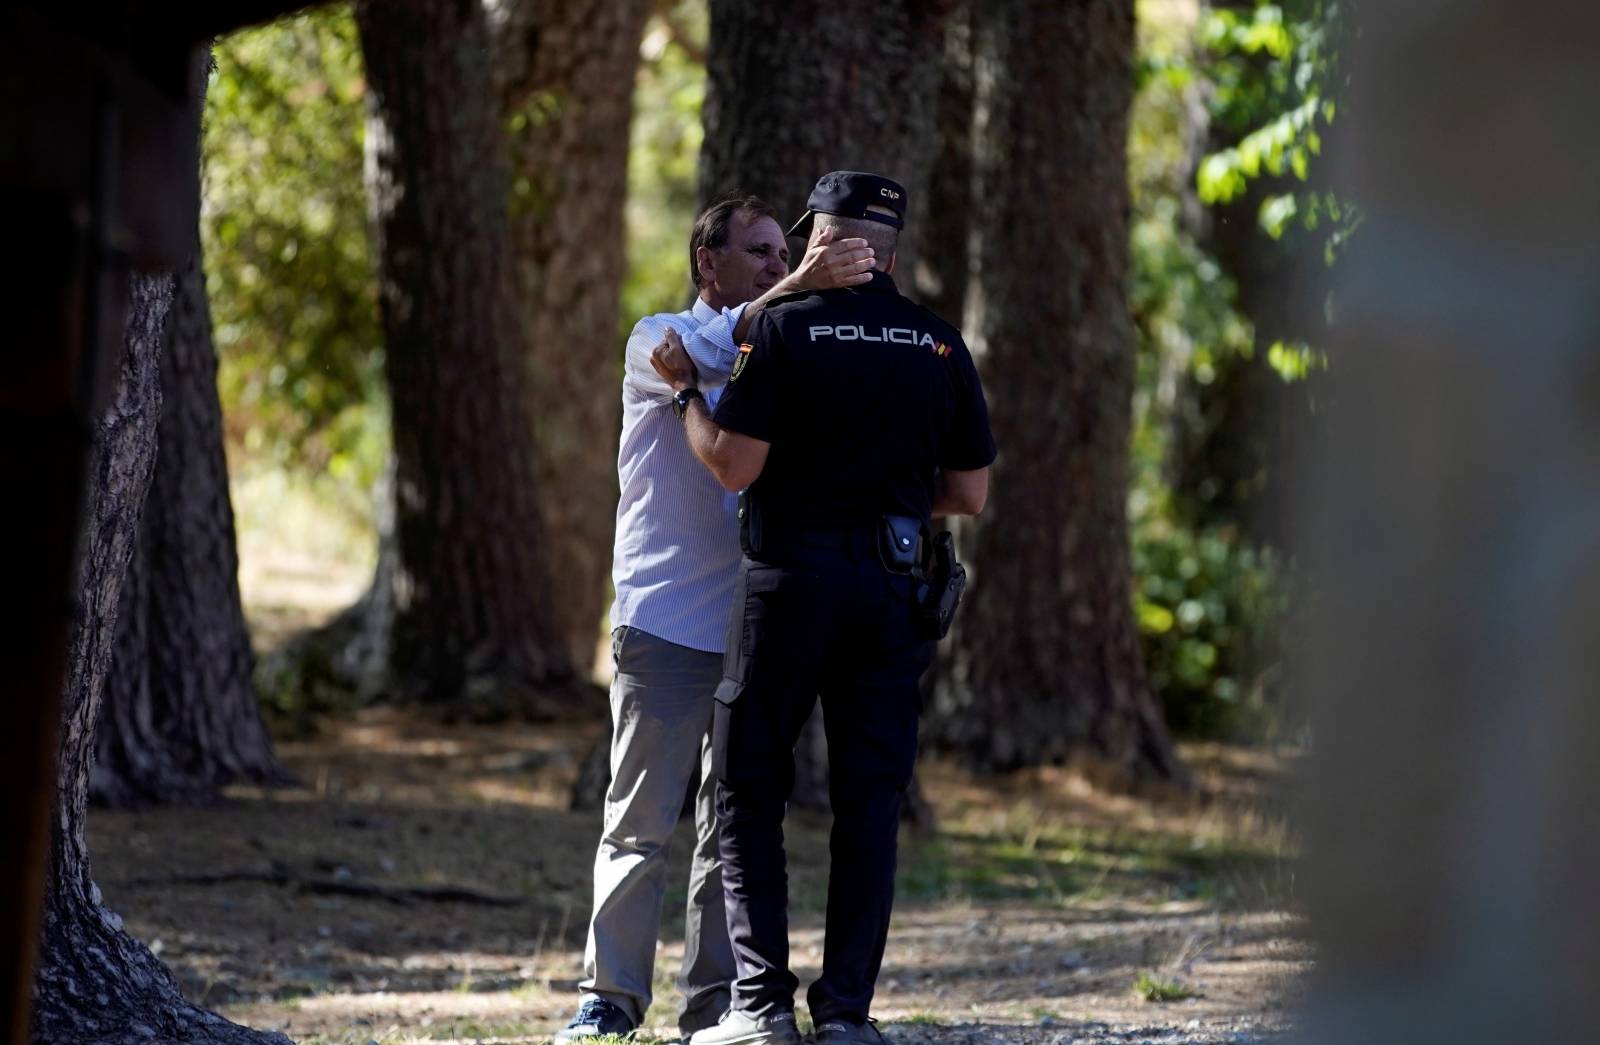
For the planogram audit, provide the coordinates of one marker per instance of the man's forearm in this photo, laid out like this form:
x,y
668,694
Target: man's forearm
x,y
734,460
704,437
960,493
787,285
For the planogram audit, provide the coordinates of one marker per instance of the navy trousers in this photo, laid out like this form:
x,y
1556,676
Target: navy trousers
x,y
817,618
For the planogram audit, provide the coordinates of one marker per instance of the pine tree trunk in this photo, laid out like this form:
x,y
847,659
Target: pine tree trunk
x,y
95,983
942,215
1045,661
566,74
180,718
472,625
796,90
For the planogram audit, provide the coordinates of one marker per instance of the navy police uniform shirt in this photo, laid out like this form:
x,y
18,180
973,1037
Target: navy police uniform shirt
x,y
863,394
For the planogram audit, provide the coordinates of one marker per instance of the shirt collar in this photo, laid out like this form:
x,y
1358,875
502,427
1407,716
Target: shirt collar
x,y
701,311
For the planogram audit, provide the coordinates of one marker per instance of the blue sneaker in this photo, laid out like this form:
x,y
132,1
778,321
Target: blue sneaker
x,y
595,1017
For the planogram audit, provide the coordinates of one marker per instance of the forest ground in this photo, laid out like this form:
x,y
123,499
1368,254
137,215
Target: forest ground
x,y
1040,908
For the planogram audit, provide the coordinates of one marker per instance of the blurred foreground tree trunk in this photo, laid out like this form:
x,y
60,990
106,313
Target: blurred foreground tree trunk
x,y
1045,662
796,90
462,597
96,983
180,719
565,75
1450,512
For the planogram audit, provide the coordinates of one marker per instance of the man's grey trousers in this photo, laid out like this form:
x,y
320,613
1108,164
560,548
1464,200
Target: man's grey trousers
x,y
661,709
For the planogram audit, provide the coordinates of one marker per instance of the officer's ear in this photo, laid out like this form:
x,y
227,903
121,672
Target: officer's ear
x,y
888,270
705,263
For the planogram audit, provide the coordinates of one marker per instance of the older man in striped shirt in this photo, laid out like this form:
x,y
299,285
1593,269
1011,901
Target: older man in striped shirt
x,y
676,553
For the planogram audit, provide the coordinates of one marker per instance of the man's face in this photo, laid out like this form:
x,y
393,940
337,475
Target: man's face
x,y
754,258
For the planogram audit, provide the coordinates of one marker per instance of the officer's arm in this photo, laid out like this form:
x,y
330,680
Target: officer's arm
x,y
734,459
961,493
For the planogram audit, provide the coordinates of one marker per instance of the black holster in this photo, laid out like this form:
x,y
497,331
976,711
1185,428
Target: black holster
x,y
944,581
904,547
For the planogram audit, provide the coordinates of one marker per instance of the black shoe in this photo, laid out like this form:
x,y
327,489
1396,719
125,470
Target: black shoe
x,y
595,1017
843,1032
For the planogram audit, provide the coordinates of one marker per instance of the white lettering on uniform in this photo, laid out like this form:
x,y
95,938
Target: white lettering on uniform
x,y
898,335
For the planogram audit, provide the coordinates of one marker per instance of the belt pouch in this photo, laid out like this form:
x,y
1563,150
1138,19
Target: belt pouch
x,y
749,524
900,543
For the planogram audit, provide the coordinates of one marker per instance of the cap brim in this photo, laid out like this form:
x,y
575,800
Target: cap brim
x,y
803,226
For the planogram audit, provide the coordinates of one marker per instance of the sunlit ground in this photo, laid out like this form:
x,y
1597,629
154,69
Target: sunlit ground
x,y
1033,908
1040,908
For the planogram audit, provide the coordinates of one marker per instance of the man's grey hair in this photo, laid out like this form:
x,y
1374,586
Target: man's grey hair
x,y
880,237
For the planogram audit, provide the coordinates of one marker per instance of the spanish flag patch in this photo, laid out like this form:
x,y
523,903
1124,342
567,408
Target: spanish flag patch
x,y
738,363
941,349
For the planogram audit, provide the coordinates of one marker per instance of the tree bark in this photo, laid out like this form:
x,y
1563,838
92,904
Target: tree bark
x,y
1045,661
472,625
95,983
565,77
180,719
942,214
796,90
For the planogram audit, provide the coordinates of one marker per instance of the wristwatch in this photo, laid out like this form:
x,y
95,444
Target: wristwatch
x,y
681,398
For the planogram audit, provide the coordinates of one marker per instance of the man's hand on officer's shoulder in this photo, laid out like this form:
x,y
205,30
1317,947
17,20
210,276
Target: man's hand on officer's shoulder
x,y
671,360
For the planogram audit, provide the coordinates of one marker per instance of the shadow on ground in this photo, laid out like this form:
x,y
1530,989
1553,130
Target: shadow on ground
x,y
428,884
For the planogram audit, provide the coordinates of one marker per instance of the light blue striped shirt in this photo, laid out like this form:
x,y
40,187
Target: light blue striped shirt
x,y
677,545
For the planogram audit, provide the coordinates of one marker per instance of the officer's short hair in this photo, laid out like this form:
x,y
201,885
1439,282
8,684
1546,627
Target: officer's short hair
x,y
880,237
711,227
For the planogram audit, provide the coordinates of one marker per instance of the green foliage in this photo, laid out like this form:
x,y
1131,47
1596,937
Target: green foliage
x,y
662,160
1154,988
289,268
1275,75
1209,603
1210,608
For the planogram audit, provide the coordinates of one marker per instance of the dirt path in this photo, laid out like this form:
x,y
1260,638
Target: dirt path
x,y
1028,916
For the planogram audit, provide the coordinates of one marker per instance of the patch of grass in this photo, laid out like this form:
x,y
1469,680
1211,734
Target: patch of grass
x,y
1024,857
1153,988
922,1019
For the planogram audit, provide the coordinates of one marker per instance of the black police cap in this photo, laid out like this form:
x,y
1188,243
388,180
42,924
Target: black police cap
x,y
848,194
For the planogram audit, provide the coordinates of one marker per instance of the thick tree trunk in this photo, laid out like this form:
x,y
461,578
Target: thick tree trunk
x,y
180,718
942,214
1045,661
566,74
95,983
472,625
796,90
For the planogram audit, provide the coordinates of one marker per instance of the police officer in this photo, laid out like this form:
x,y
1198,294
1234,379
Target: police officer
x,y
852,416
